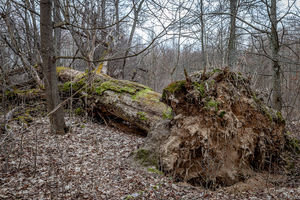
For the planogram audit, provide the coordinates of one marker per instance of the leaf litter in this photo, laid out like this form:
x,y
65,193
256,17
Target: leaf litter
x,y
92,162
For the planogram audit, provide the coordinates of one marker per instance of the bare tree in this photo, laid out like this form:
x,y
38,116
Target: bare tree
x,y
137,9
19,33
48,63
274,41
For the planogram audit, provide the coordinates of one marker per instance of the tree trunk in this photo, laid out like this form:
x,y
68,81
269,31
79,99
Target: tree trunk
x,y
48,62
231,57
202,35
130,101
57,31
277,97
117,17
103,20
135,20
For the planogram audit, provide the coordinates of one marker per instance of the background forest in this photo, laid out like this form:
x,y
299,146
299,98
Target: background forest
x,y
151,42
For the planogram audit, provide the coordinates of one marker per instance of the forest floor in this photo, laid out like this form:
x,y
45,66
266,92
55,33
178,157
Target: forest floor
x,y
93,162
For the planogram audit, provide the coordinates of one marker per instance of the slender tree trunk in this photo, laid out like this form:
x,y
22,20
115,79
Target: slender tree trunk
x,y
221,39
57,31
103,20
178,46
117,17
136,16
231,55
35,33
277,96
48,62
202,35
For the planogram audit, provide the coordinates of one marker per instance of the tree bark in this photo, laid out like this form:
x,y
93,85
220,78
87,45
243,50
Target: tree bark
x,y
57,31
103,20
117,17
203,59
231,57
130,101
274,40
57,121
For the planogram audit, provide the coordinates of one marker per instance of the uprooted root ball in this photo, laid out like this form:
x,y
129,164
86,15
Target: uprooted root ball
x,y
221,132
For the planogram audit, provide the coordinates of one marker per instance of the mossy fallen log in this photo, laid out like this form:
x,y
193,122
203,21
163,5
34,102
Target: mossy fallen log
x,y
134,103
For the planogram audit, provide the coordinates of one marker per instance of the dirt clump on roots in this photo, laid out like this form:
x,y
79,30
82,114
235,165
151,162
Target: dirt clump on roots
x,y
221,132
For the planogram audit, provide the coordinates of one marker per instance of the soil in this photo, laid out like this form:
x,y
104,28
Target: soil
x,y
221,133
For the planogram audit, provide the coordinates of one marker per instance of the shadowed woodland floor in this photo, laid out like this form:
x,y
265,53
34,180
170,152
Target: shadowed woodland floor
x,y
92,162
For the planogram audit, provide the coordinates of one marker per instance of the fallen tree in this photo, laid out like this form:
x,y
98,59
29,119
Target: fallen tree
x,y
132,102
210,129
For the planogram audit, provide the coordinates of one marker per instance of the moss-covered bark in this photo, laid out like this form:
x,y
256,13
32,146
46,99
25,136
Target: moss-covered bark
x,y
133,102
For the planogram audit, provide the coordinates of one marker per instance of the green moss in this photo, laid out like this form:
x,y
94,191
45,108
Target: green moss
x,y
175,86
273,116
66,87
222,113
145,157
6,126
142,116
213,104
129,197
280,118
78,111
214,71
27,119
7,93
267,112
168,113
114,86
26,92
156,187
255,98
148,94
16,93
83,75
200,87
154,170
293,145
60,69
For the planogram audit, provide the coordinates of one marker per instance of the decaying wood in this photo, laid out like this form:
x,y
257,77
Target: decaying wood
x,y
130,101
